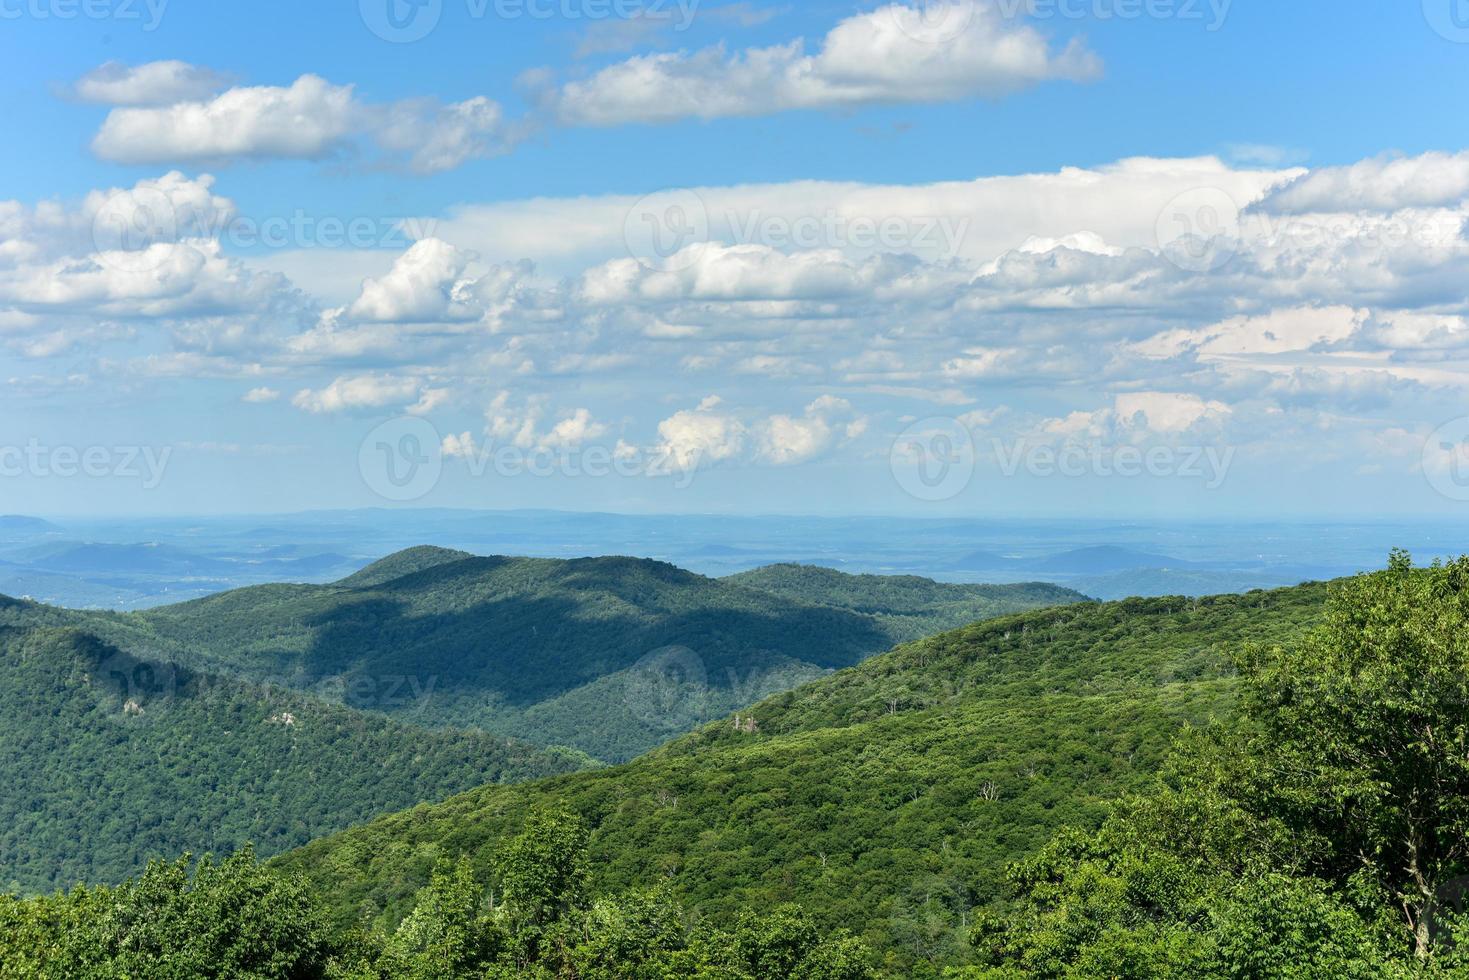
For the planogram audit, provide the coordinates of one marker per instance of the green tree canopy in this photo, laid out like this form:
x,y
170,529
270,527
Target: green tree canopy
x,y
1312,837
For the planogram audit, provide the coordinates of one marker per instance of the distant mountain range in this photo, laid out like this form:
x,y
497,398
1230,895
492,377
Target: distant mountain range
x,y
278,713
1114,572
1103,559
17,524
611,656
163,560
42,563
1094,560
1100,559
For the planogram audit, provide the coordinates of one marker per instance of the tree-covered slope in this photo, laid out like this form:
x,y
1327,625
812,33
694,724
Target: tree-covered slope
x,y
535,920
909,606
887,798
107,760
612,656
1323,831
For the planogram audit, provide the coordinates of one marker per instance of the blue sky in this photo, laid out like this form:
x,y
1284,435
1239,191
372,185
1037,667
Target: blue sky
x,y
1100,257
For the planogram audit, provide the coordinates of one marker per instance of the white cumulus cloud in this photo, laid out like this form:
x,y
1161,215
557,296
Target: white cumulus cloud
x,y
347,394
154,83
786,440
307,120
1166,411
310,119
1379,184
884,56
705,434
424,284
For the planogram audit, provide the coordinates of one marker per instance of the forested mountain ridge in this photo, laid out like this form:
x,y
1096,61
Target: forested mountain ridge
x,y
910,607
401,563
1268,786
889,797
239,717
108,760
611,656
